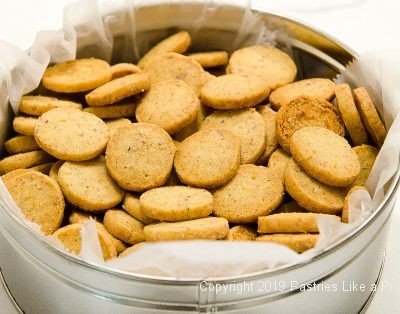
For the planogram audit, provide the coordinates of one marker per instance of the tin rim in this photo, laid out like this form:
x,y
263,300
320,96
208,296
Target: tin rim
x,y
250,276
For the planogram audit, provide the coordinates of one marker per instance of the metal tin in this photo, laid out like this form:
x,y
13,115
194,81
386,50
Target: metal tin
x,y
44,279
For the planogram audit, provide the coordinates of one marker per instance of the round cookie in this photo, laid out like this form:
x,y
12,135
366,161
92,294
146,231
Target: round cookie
x,y
24,125
87,185
124,109
208,158
38,105
171,105
303,112
122,69
297,242
178,43
123,226
176,203
12,174
114,124
77,75
278,162
312,194
209,228
313,87
254,191
140,156
369,116
270,138
291,222
173,66
21,144
234,91
24,160
70,134
349,113
346,204
132,206
43,168
241,233
39,197
70,236
325,156
54,170
210,59
118,89
247,124
366,155
274,66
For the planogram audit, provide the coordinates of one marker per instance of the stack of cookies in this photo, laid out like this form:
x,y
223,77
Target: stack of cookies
x,y
189,146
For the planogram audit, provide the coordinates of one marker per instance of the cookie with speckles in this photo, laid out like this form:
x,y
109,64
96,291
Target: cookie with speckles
x,y
247,124
140,156
210,59
39,197
122,69
125,109
43,168
254,191
297,242
271,142
70,134
24,125
366,155
114,124
21,144
24,160
132,206
123,226
241,233
278,162
209,228
325,156
88,185
208,158
176,203
38,105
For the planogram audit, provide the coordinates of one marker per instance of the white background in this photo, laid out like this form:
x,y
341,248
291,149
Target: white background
x,y
361,24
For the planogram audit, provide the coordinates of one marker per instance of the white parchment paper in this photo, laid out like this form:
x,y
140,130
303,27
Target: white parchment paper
x,y
88,30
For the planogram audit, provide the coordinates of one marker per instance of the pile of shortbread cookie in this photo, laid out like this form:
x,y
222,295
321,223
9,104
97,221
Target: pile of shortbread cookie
x,y
189,146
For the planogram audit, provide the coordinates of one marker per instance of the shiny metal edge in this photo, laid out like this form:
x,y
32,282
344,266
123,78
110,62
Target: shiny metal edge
x,y
251,276
9,294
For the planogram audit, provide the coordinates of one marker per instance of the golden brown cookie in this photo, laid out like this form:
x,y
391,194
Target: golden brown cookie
x,y
278,162
254,191
270,138
173,66
123,226
297,242
131,249
241,233
38,105
122,69
234,91
346,204
118,89
171,105
21,144
114,124
70,134
24,160
369,116
274,66
312,194
210,59
349,113
70,237
208,158
290,207
194,126
78,217
247,124
39,197
132,206
24,125
176,203
125,109
291,222
303,112
88,185
12,174
313,87
325,156
53,173
366,155
178,43
43,168
140,156
77,75
209,228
